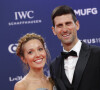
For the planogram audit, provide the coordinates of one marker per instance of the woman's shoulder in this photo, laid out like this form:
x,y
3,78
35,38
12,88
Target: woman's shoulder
x,y
51,81
20,85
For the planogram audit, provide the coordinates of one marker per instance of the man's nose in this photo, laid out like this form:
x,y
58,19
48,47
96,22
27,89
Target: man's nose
x,y
64,28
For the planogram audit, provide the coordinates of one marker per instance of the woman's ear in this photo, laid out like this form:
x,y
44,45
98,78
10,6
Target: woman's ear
x,y
23,60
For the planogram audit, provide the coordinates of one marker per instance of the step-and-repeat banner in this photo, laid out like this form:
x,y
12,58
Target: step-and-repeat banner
x,y
18,17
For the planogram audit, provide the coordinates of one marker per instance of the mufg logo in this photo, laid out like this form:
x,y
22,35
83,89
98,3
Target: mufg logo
x,y
12,48
24,15
87,11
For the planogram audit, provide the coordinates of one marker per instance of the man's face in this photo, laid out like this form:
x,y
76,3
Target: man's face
x,y
66,29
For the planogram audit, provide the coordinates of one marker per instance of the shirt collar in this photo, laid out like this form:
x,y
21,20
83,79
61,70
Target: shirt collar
x,y
76,48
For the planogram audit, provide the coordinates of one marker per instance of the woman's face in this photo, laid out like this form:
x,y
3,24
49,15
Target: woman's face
x,y
34,54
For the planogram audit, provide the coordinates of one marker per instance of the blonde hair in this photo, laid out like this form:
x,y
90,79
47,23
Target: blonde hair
x,y
26,38
20,50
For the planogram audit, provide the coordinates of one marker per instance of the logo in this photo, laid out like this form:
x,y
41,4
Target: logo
x,y
12,48
92,40
24,17
17,78
87,11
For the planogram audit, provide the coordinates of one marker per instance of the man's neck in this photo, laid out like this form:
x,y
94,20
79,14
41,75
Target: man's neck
x,y
68,47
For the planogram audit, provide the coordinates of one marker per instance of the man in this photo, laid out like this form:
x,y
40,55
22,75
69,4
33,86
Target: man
x,y
79,69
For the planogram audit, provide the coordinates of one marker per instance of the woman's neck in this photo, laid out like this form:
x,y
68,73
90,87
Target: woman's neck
x,y
36,74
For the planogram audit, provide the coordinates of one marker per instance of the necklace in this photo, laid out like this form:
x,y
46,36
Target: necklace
x,y
44,84
40,83
42,89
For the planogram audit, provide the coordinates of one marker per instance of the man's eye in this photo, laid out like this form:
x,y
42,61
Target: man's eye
x,y
68,23
60,25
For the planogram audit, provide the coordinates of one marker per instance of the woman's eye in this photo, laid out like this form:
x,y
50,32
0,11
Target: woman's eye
x,y
40,49
30,52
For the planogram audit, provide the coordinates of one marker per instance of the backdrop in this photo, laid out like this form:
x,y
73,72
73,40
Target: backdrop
x,y
18,17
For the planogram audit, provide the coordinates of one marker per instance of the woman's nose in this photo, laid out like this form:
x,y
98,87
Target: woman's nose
x,y
37,54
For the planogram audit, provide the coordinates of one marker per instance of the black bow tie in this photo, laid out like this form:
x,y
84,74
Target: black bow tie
x,y
67,54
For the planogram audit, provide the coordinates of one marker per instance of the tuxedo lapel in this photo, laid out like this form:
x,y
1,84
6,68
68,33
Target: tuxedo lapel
x,y
81,64
63,75
60,84
58,66
58,73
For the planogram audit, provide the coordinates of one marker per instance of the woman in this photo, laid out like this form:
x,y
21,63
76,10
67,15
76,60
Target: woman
x,y
32,51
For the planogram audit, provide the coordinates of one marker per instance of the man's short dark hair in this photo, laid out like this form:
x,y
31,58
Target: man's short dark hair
x,y
62,10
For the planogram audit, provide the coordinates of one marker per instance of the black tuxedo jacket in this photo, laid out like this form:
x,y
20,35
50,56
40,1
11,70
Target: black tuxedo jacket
x,y
86,74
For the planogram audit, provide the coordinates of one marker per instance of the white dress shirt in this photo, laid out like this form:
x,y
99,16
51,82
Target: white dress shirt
x,y
70,62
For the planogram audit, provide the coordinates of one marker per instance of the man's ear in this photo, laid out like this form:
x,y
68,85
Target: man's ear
x,y
23,60
77,25
53,29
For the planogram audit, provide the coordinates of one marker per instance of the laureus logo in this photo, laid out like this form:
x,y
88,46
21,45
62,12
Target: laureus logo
x,y
12,48
17,78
